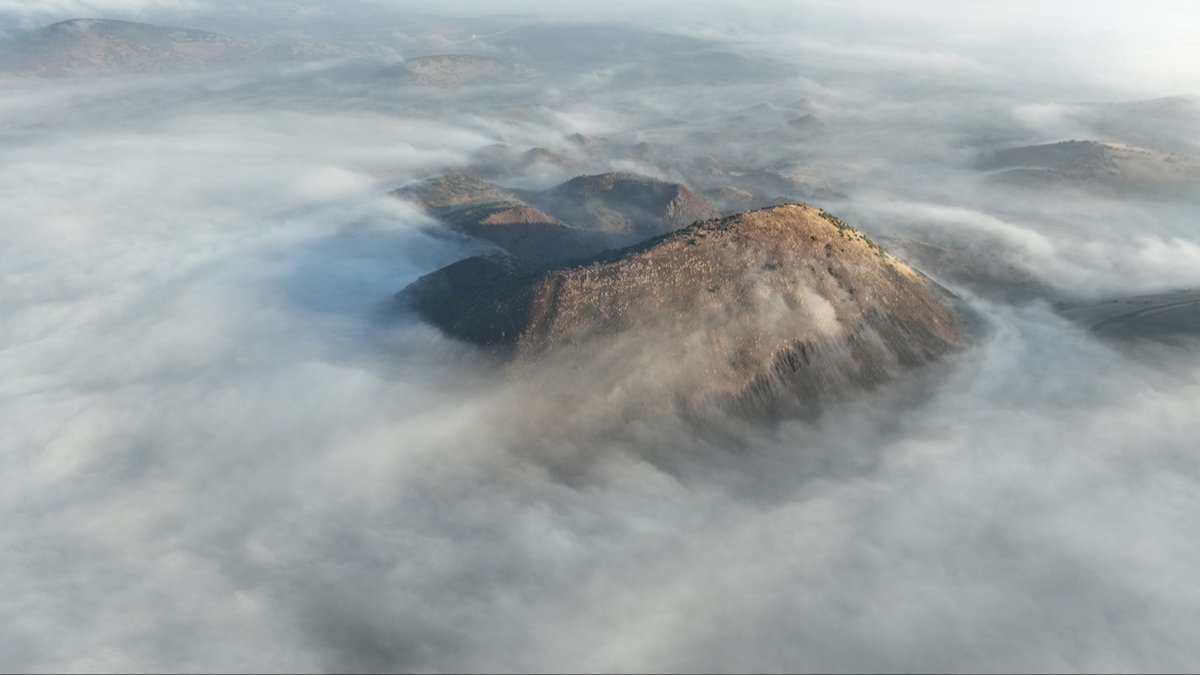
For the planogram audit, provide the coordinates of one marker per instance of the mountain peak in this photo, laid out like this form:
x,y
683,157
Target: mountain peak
x,y
786,303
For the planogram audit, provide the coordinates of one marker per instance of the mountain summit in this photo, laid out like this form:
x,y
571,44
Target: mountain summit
x,y
782,306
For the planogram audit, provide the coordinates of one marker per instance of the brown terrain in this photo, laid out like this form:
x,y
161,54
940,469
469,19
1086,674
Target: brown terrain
x,y
498,161
781,308
441,193
627,204
107,47
1115,168
735,181
580,218
455,70
527,232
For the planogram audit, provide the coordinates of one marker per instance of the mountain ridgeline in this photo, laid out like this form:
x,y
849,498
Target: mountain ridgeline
x,y
97,47
583,217
1115,169
781,309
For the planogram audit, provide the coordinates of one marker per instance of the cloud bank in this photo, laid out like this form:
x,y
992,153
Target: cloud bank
x,y
224,451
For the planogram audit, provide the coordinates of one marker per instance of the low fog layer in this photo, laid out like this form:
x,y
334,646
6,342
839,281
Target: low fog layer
x,y
224,449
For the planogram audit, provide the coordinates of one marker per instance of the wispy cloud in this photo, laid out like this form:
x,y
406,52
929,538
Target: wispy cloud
x,y
220,452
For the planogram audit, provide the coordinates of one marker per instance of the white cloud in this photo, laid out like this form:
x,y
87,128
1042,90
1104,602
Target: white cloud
x,y
218,456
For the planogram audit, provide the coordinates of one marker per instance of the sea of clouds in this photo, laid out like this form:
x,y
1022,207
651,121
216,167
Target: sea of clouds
x,y
223,447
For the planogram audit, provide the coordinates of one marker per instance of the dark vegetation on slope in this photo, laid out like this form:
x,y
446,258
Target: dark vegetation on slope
x,y
782,307
580,218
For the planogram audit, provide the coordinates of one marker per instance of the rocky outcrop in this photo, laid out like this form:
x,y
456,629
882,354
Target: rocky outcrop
x,y
441,194
781,307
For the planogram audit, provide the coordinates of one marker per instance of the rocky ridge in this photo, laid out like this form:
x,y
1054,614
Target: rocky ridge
x,y
782,307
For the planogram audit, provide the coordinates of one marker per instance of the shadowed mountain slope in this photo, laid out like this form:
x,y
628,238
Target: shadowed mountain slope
x,y
580,218
626,203
527,232
783,306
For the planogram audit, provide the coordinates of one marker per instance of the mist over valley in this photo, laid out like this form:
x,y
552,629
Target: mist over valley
x,y
363,336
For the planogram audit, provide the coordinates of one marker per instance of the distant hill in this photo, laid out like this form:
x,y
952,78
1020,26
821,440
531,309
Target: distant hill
x,y
768,183
626,203
582,217
984,267
453,190
1163,317
527,232
1110,167
108,47
773,309
453,70
499,161
1167,124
